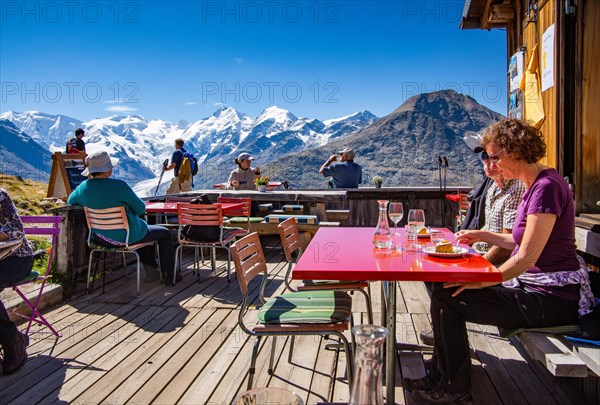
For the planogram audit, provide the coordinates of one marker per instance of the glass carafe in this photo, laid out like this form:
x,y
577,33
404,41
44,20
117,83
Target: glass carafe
x,y
367,387
383,237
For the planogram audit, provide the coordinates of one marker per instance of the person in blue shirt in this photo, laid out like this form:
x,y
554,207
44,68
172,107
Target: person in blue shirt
x,y
100,191
176,186
346,173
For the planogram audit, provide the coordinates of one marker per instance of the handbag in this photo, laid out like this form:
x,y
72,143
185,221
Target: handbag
x,y
8,247
210,233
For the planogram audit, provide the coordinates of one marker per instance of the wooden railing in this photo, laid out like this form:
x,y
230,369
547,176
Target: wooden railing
x,y
362,205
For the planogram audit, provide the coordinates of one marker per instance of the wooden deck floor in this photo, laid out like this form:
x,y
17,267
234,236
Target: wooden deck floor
x,y
182,345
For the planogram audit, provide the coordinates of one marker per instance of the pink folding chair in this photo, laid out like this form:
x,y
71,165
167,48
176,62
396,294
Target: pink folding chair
x,y
34,276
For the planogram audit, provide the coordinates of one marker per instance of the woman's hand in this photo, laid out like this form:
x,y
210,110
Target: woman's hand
x,y
257,171
3,237
234,183
467,286
468,237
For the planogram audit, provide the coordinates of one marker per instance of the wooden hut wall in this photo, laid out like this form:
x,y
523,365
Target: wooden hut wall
x,y
532,35
588,166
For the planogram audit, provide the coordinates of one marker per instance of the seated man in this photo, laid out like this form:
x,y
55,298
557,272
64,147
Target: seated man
x,y
346,174
15,266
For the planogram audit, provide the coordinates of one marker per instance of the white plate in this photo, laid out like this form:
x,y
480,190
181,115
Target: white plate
x,y
458,251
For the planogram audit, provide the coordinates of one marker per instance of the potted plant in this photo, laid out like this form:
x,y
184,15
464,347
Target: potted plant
x,y
261,183
377,180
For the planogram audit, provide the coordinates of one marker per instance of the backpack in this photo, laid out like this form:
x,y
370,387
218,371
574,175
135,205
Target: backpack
x,y
72,146
210,233
188,167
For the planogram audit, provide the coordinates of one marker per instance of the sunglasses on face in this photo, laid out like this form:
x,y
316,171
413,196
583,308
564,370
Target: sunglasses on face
x,y
495,158
485,157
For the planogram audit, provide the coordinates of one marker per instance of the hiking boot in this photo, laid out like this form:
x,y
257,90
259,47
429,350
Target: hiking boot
x,y
427,337
426,383
15,353
438,396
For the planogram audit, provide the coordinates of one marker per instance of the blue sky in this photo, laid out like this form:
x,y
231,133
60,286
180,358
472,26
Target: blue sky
x,y
183,59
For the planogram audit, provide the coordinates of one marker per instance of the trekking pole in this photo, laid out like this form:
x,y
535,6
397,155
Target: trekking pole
x,y
445,184
439,162
165,163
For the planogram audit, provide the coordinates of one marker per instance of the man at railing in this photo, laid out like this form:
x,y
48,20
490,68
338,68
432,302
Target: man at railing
x,y
346,173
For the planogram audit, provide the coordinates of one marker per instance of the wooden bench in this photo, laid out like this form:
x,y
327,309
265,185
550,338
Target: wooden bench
x,y
559,355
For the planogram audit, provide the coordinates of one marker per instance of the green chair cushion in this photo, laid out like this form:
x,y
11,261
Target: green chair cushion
x,y
306,307
245,219
31,276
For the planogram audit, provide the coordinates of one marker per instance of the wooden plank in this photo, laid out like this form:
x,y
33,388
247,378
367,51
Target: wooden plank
x,y
95,346
50,371
554,355
590,355
130,341
112,379
587,241
177,362
525,378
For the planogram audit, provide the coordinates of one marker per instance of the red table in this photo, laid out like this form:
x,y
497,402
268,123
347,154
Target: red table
x,y
271,185
349,254
171,208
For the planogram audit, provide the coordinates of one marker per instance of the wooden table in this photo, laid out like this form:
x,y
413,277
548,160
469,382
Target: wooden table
x,y
270,186
348,254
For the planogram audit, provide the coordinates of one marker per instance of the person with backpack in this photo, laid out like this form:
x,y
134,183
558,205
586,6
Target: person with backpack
x,y
76,144
186,167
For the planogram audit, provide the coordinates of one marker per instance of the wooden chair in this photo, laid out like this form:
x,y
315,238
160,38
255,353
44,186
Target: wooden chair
x,y
292,314
208,215
34,276
292,247
114,218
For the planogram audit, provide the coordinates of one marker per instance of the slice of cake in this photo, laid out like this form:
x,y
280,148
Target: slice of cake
x,y
444,246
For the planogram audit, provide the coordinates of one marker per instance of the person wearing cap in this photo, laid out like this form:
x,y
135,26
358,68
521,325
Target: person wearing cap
x,y
346,173
176,186
76,144
242,177
100,191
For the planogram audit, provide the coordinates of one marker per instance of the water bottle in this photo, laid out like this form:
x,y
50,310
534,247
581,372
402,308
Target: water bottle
x,y
382,239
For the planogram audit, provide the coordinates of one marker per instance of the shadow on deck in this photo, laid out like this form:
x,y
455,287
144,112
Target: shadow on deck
x,y
182,345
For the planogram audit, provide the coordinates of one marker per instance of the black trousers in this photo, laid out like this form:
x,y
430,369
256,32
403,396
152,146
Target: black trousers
x,y
498,306
12,269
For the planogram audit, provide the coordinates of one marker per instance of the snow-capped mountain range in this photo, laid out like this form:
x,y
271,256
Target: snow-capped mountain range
x,y
142,145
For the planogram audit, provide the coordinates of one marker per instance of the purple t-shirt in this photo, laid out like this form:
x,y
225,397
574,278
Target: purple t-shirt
x,y
550,194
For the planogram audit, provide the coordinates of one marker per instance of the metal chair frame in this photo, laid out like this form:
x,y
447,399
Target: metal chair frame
x,y
52,230
249,261
114,218
292,247
203,215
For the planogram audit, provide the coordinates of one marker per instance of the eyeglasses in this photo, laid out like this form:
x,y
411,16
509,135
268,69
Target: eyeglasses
x,y
495,157
485,156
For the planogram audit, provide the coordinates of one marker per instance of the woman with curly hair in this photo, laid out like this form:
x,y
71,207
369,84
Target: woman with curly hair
x,y
545,282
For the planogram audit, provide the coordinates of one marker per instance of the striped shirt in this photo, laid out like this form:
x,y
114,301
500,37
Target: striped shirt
x,y
501,205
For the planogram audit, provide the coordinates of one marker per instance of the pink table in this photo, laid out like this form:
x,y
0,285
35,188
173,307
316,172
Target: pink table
x,y
348,254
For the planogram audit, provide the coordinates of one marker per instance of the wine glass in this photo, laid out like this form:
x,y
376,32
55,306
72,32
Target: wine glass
x,y
437,236
416,219
396,212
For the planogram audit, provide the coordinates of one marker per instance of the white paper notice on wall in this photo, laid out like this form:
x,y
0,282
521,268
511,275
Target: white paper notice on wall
x,y
547,58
